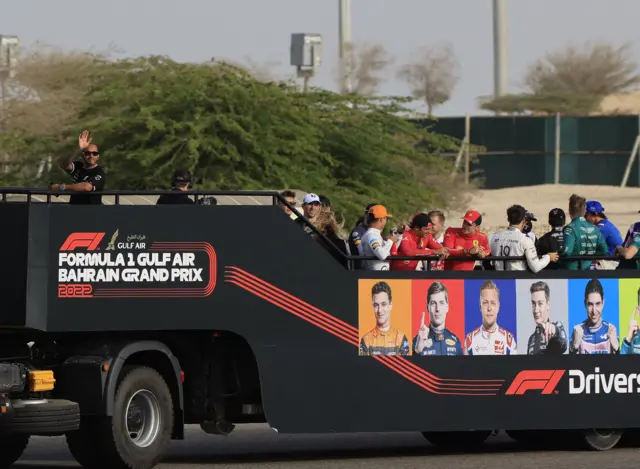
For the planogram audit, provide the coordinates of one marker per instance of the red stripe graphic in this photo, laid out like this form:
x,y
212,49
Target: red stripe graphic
x,y
348,333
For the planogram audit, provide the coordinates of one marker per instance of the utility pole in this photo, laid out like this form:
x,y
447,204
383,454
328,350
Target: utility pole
x,y
344,41
500,50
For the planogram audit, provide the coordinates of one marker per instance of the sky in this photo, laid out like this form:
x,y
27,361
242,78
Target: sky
x,y
197,30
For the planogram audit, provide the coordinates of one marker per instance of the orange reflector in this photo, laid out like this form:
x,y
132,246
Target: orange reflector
x,y
182,376
105,367
41,380
3,409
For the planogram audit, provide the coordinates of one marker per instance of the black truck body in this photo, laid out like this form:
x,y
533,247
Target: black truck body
x,y
248,319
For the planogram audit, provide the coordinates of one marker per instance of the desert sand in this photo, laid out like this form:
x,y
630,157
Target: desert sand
x,y
621,205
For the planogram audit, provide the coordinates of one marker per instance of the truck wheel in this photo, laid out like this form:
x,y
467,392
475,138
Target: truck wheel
x,y
601,439
45,417
138,434
11,449
457,440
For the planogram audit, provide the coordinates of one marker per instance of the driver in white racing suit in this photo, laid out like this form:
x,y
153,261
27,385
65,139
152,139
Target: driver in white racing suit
x,y
513,242
372,243
490,338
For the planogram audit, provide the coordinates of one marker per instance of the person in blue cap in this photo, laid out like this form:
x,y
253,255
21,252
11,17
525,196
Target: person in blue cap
x,y
596,216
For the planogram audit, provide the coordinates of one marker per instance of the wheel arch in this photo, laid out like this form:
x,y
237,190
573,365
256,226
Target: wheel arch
x,y
158,356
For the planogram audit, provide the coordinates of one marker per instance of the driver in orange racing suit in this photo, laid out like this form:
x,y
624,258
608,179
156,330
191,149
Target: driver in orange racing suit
x,y
383,339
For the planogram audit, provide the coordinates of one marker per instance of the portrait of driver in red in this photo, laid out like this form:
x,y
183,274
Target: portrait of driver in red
x,y
467,241
383,339
489,338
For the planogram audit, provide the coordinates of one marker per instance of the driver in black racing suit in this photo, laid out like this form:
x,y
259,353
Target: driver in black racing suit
x,y
549,337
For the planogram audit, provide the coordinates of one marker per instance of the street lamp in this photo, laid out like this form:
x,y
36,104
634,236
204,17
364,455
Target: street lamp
x,y
306,55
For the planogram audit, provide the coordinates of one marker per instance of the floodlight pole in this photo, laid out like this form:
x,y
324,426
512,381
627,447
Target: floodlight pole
x,y
344,41
500,49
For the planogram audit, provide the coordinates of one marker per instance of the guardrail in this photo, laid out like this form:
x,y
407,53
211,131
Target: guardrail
x,y
277,198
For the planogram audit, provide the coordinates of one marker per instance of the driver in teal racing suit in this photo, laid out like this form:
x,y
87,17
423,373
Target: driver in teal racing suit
x,y
581,238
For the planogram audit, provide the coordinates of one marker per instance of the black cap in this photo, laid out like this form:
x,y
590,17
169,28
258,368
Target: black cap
x,y
324,201
421,220
557,217
530,216
181,176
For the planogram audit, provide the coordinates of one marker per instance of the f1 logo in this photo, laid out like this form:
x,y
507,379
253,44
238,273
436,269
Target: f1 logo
x,y
82,240
529,380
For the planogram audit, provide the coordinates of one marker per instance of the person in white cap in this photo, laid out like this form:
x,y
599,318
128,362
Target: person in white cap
x,y
311,208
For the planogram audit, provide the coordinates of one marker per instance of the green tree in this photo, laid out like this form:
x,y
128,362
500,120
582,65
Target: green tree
x,y
572,80
433,75
235,132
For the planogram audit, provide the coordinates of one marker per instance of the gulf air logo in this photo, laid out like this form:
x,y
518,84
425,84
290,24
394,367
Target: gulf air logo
x,y
82,240
545,381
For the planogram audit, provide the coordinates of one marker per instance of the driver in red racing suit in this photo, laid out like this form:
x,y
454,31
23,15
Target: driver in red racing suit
x,y
418,241
466,241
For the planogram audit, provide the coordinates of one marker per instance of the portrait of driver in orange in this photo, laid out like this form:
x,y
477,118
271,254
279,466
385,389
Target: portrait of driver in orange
x,y
383,339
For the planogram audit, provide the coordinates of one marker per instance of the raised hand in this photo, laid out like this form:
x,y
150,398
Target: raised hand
x,y
612,334
84,140
578,335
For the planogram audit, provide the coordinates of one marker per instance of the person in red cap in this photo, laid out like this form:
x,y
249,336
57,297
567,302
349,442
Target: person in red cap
x,y
417,241
467,241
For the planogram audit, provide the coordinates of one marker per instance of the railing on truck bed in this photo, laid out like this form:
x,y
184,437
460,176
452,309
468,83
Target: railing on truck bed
x,y
234,198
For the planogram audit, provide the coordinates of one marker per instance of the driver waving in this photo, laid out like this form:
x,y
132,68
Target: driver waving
x,y
88,176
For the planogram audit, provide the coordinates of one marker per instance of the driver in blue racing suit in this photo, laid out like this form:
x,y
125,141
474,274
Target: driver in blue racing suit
x,y
594,336
436,339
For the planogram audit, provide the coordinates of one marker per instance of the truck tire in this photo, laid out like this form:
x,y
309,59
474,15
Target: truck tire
x,y
51,417
11,449
601,439
138,434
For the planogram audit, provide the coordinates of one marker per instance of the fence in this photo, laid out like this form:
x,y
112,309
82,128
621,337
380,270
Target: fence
x,y
531,150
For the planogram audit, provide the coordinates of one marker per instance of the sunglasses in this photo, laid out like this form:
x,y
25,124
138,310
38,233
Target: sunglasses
x,y
92,153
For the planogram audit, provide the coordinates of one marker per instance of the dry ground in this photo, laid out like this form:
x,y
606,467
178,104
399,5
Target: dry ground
x,y
621,205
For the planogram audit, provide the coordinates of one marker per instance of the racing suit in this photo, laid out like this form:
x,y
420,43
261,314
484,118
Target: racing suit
x,y
411,245
356,236
354,240
553,241
515,243
613,238
632,239
377,342
372,245
581,238
440,342
439,264
459,244
497,341
631,348
556,345
595,340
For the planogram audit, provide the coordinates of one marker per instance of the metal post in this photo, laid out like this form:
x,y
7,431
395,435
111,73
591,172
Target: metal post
x,y
344,41
556,172
467,156
500,50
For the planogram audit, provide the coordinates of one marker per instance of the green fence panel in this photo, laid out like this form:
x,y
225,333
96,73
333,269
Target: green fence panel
x,y
599,134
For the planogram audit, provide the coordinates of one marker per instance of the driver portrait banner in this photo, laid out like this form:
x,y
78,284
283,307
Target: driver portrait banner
x,y
99,265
